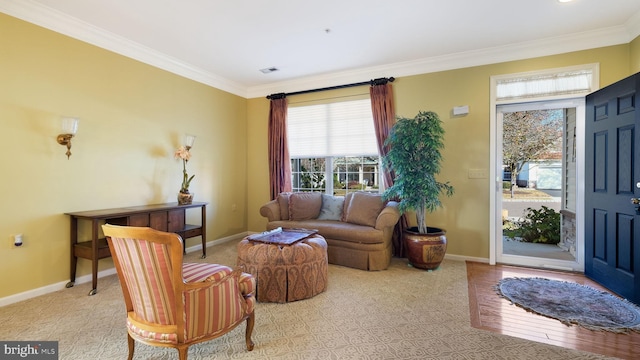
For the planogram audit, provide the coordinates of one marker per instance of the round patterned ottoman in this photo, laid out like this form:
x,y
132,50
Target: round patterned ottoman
x,y
286,273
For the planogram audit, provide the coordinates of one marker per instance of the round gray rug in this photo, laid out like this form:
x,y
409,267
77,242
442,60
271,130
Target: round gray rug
x,y
572,303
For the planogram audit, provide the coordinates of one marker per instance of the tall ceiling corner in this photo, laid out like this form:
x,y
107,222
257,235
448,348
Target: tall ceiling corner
x,y
634,26
54,20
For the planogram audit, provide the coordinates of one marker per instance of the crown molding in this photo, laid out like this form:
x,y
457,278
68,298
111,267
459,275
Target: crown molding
x,y
57,21
54,20
520,51
633,25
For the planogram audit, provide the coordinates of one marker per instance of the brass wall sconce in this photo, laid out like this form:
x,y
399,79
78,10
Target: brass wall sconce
x,y
69,129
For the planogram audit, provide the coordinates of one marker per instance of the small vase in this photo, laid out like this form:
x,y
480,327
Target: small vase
x,y
185,198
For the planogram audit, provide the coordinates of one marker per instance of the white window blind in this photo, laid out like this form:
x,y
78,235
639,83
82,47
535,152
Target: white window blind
x,y
336,129
549,84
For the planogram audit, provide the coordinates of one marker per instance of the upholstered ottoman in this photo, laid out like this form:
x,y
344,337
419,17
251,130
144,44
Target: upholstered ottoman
x,y
286,273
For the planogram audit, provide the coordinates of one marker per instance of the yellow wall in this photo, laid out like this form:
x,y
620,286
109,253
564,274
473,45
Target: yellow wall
x,y
465,216
635,55
133,116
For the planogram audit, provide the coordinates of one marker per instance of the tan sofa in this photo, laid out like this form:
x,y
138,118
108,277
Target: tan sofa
x,y
358,227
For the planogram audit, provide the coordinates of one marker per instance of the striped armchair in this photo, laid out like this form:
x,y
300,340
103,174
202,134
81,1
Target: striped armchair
x,y
172,304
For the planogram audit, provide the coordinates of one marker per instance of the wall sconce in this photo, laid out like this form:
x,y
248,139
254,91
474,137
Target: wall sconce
x,y
188,141
69,129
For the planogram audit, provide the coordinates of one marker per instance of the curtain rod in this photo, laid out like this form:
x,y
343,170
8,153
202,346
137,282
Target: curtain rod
x,y
379,81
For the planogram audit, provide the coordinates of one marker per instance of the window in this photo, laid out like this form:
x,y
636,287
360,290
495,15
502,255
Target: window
x,y
578,80
560,88
336,142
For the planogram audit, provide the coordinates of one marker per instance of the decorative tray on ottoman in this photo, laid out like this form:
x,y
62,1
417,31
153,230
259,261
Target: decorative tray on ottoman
x,y
282,236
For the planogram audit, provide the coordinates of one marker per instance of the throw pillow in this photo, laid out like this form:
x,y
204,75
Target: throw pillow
x,y
347,201
364,208
304,205
331,207
283,201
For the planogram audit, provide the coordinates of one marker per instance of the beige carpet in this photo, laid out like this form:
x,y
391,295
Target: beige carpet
x,y
400,313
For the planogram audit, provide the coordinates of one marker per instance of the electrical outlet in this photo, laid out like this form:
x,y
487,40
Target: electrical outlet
x,y
478,174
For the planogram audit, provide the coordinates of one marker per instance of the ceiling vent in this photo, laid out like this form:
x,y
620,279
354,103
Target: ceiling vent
x,y
268,70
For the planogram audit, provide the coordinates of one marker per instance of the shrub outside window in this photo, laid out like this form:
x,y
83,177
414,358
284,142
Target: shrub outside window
x,y
347,174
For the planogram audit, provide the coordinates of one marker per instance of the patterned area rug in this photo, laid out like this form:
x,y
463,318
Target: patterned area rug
x,y
572,303
398,313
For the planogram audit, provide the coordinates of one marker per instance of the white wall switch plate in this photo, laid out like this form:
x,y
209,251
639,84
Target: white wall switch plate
x,y
478,174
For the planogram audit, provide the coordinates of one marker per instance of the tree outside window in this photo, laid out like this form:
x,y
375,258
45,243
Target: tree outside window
x,y
529,136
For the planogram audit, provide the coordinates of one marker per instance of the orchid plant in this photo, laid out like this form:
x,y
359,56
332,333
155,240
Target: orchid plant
x,y
183,153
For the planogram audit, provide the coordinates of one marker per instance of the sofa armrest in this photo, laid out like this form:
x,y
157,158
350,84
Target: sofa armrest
x,y
271,210
388,217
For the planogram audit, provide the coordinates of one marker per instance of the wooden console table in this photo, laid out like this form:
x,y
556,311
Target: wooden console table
x,y
168,217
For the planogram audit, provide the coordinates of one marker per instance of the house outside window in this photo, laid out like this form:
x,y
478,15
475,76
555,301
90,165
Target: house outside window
x,y
333,148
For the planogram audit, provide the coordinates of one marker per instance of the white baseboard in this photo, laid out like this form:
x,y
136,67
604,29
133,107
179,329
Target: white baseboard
x,y
223,240
12,299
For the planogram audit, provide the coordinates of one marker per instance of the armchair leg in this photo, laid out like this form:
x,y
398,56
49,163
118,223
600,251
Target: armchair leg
x,y
250,323
132,345
182,352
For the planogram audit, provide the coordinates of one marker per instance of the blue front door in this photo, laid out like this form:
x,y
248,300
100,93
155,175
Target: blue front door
x,y
612,226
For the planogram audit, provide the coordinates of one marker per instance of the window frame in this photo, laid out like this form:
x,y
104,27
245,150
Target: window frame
x,y
330,169
327,166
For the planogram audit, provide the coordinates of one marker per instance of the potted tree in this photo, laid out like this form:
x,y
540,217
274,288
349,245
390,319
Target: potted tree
x,y
414,157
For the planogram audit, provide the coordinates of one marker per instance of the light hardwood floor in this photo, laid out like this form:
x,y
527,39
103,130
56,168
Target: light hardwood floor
x,y
491,312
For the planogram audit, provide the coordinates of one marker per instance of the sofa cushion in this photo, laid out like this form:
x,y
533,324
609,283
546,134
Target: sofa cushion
x,y
364,208
331,207
336,230
283,202
304,205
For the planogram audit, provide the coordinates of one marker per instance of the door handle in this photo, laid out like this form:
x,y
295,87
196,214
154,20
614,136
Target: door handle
x,y
636,203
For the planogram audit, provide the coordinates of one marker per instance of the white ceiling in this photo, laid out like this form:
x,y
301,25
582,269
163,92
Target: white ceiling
x,y
317,43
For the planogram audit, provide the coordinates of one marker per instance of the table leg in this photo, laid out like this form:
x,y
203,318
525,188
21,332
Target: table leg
x,y
73,258
94,257
204,231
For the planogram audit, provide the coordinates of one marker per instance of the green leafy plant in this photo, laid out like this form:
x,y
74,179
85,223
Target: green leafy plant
x,y
537,226
414,157
355,185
